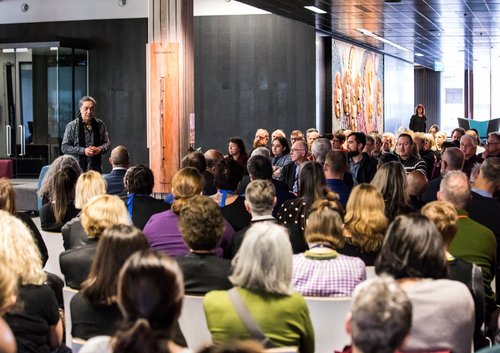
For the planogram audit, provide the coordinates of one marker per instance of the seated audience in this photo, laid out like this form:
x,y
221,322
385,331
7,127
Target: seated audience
x,y
321,271
444,216
259,202
407,156
259,168
390,179
474,242
296,135
388,142
59,163
60,208
88,185
197,160
422,147
380,317
377,145
440,138
119,160
139,182
320,148
213,157
150,292
277,133
35,320
94,310
261,138
281,155
162,230
370,143
451,159
338,140
443,310
365,224
468,145
335,167
293,213
290,172
8,204
237,151
417,183
228,175
201,224
361,165
492,145
8,291
98,213
262,279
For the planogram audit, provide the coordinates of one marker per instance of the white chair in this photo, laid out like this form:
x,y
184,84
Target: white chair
x,y
283,350
76,344
328,319
194,324
54,243
68,293
370,272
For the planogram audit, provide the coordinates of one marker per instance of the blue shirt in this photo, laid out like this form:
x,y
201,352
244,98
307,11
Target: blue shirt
x,y
343,190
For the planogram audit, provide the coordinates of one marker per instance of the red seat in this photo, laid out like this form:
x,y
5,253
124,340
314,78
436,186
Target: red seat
x,y
6,168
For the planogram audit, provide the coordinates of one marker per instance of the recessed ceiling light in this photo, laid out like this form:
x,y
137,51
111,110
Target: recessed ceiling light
x,y
382,39
419,54
315,9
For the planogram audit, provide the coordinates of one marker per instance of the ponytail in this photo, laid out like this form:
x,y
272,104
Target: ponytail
x,y
140,338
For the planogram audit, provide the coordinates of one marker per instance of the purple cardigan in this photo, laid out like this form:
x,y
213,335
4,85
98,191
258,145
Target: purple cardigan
x,y
163,234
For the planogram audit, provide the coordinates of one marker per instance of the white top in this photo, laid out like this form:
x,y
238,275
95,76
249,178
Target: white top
x,y
100,344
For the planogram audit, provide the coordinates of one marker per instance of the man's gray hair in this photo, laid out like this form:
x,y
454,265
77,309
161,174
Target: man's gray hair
x,y
261,151
381,315
264,261
472,139
260,196
490,169
87,99
454,158
320,148
455,188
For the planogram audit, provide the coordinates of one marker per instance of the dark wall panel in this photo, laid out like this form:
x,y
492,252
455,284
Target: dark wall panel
x,y
117,72
428,92
252,71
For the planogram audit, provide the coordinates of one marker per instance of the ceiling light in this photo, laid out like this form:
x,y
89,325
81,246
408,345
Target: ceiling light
x,y
377,37
419,54
21,50
8,51
315,9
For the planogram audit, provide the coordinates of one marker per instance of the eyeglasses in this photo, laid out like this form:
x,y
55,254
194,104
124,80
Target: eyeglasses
x,y
492,143
297,149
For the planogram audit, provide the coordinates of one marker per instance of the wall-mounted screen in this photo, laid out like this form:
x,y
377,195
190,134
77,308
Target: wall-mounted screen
x,y
357,88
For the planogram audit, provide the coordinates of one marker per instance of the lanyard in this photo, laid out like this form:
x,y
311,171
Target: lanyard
x,y
224,196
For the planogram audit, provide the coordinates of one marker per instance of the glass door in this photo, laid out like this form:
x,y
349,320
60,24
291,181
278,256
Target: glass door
x,y
41,86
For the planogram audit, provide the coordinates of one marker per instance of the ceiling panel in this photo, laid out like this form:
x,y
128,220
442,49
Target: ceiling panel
x,y
462,30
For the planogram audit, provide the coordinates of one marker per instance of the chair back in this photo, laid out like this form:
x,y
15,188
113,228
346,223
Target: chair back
x,y
283,350
77,344
68,294
194,324
370,272
328,318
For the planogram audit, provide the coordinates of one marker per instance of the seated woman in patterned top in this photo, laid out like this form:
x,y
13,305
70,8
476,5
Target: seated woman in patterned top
x,y
321,271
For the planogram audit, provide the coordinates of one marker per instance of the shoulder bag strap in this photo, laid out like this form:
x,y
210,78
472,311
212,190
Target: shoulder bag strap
x,y
248,320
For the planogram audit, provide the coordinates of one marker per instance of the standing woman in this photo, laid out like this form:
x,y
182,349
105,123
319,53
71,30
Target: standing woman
x,y
237,150
281,155
35,321
150,292
418,121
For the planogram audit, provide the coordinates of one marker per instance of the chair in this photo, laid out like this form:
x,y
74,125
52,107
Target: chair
x,y
193,323
55,247
370,272
43,171
283,350
328,319
68,294
76,344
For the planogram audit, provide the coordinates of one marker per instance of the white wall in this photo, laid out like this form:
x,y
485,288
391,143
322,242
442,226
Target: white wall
x,y
73,10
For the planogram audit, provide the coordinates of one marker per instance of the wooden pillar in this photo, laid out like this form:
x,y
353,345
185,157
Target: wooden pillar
x,y
170,86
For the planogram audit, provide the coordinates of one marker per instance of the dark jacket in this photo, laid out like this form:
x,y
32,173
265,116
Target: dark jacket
x,y
288,175
114,182
204,272
75,263
418,124
143,207
367,169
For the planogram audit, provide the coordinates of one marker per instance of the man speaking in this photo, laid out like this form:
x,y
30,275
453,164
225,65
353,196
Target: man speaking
x,y
86,138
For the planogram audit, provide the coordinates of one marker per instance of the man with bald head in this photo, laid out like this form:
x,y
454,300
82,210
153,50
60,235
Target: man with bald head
x,y
119,160
468,146
452,159
417,183
473,242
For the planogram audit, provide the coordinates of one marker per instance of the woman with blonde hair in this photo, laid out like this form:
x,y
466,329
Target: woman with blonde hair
x,y
99,213
162,229
390,180
8,203
88,185
8,291
365,223
440,138
36,323
313,269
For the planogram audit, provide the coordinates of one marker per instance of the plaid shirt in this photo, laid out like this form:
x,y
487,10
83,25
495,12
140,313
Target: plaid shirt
x,y
334,277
